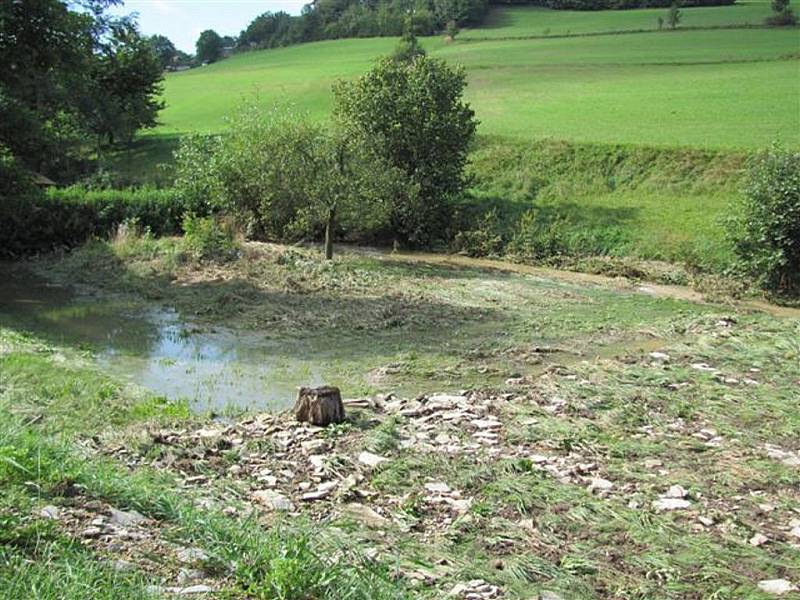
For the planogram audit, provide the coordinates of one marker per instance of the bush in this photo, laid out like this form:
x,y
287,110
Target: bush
x,y
765,228
413,115
34,221
485,240
204,238
612,4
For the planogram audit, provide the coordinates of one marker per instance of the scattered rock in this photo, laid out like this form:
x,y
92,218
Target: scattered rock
x,y
668,504
195,589
365,515
126,518
776,587
676,491
477,589
192,556
50,512
273,500
370,459
707,521
758,540
547,595
598,484
437,487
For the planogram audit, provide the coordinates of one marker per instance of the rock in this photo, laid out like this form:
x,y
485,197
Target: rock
x,y
314,446
437,487
547,595
795,532
126,518
195,589
659,356
122,566
487,423
758,540
91,532
708,522
50,512
186,576
319,406
776,587
664,504
365,515
676,491
192,555
598,484
370,459
272,500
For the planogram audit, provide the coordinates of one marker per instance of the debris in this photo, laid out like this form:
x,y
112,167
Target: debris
x,y
666,504
192,556
598,484
370,459
50,512
676,491
273,500
365,515
776,587
126,519
437,487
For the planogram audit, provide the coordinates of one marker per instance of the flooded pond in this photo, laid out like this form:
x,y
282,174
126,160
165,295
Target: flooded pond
x,y
157,349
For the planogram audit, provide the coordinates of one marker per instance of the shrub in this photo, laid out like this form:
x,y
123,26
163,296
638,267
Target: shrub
x,y
413,115
204,238
34,221
765,227
485,240
287,178
783,14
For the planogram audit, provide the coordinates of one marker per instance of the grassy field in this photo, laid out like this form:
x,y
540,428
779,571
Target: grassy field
x,y
704,88
611,443
510,22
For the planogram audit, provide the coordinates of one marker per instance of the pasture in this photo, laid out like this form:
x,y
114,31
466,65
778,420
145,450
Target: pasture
x,y
715,88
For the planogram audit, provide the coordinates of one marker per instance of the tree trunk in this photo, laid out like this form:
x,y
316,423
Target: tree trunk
x,y
329,234
319,406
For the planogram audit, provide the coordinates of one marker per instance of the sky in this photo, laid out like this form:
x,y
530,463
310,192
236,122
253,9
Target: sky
x,y
183,20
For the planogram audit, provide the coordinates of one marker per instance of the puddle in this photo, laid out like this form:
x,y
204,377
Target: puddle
x,y
156,349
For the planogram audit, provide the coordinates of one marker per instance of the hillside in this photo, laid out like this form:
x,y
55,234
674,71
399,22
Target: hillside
x,y
712,88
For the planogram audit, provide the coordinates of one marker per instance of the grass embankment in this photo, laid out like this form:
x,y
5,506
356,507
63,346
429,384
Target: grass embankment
x,y
549,482
612,201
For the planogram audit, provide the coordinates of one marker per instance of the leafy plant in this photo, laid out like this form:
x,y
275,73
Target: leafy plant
x,y
205,239
765,227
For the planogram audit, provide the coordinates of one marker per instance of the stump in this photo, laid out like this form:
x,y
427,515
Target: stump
x,y
319,406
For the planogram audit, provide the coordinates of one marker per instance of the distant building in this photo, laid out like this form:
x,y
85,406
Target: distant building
x,y
227,51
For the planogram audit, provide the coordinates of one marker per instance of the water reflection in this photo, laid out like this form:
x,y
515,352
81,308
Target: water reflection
x,y
156,349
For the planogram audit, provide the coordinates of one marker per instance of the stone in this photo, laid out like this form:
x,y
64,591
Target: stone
x,y
122,566
126,518
598,484
547,595
192,555
758,540
665,504
91,532
659,356
50,512
437,487
273,500
365,515
320,406
676,491
707,521
195,589
370,459
795,532
776,587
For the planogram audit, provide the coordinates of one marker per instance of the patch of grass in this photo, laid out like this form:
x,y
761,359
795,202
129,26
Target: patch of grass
x,y
635,89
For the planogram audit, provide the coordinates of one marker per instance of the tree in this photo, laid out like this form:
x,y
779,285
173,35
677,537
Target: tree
x,y
674,15
408,47
287,178
452,30
165,50
127,79
413,115
209,46
783,14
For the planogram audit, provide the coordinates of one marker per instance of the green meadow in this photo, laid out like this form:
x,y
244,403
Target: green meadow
x,y
508,22
706,88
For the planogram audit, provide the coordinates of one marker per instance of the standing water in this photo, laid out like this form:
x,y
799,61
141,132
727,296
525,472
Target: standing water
x,y
155,348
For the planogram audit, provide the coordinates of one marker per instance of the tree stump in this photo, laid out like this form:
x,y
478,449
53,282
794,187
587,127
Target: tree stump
x,y
319,406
